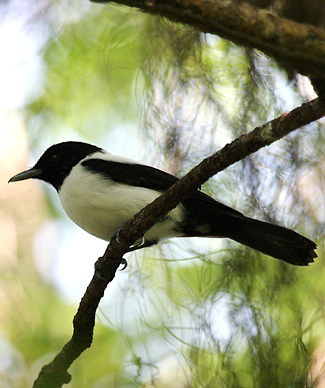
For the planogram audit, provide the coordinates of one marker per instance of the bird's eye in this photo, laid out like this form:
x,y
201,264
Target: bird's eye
x,y
54,160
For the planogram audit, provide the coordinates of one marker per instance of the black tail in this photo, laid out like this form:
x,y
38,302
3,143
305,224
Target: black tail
x,y
275,241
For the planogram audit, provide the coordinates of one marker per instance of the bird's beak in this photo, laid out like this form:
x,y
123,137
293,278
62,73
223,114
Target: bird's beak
x,y
31,173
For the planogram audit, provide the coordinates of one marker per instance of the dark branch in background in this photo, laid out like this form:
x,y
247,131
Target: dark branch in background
x,y
299,46
55,374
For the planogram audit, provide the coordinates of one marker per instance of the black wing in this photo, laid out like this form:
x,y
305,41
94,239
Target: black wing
x,y
206,217
152,178
131,174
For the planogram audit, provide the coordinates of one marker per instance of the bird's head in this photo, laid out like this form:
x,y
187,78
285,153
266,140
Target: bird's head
x,y
57,162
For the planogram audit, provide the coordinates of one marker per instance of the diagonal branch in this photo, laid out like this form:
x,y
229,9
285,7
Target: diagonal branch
x,y
55,374
300,46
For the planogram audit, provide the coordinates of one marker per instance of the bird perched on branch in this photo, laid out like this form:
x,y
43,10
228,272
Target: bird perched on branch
x,y
100,192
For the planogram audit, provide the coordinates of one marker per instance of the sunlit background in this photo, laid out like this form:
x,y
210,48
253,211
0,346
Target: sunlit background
x,y
189,312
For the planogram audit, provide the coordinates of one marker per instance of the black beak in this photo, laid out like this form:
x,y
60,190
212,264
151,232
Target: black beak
x,y
31,173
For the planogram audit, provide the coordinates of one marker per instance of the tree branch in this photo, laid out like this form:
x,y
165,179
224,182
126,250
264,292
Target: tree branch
x,y
55,374
300,46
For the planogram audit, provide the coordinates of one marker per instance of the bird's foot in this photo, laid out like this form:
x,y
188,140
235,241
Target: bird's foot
x,y
137,245
117,233
142,244
99,272
124,263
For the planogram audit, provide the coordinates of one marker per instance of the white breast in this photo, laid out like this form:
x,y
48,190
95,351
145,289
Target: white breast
x,y
100,206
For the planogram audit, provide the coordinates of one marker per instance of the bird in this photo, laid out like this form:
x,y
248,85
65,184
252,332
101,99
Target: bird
x,y
100,192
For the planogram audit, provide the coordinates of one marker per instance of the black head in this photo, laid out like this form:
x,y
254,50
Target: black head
x,y
57,162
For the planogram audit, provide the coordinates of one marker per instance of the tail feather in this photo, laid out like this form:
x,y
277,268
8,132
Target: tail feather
x,y
276,241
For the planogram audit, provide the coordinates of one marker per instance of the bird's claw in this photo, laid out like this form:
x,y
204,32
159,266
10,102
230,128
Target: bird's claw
x,y
117,234
98,271
141,243
137,246
133,247
124,263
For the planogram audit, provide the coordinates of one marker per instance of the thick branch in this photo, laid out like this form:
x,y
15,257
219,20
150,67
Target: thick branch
x,y
300,46
55,374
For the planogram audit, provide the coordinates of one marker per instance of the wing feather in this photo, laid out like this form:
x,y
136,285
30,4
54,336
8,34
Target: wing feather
x,y
152,178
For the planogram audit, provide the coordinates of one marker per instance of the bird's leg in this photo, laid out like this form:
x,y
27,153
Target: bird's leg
x,y
143,244
98,270
117,233
138,245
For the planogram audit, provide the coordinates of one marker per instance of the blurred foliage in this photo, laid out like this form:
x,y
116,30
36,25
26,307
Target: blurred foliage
x,y
198,313
92,69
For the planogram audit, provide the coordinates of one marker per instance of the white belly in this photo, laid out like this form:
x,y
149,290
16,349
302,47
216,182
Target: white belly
x,y
101,207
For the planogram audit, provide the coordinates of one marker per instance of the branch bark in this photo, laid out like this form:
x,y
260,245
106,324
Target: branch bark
x,y
56,374
300,46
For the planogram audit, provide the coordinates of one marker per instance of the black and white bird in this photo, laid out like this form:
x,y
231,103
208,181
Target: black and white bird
x,y
100,192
